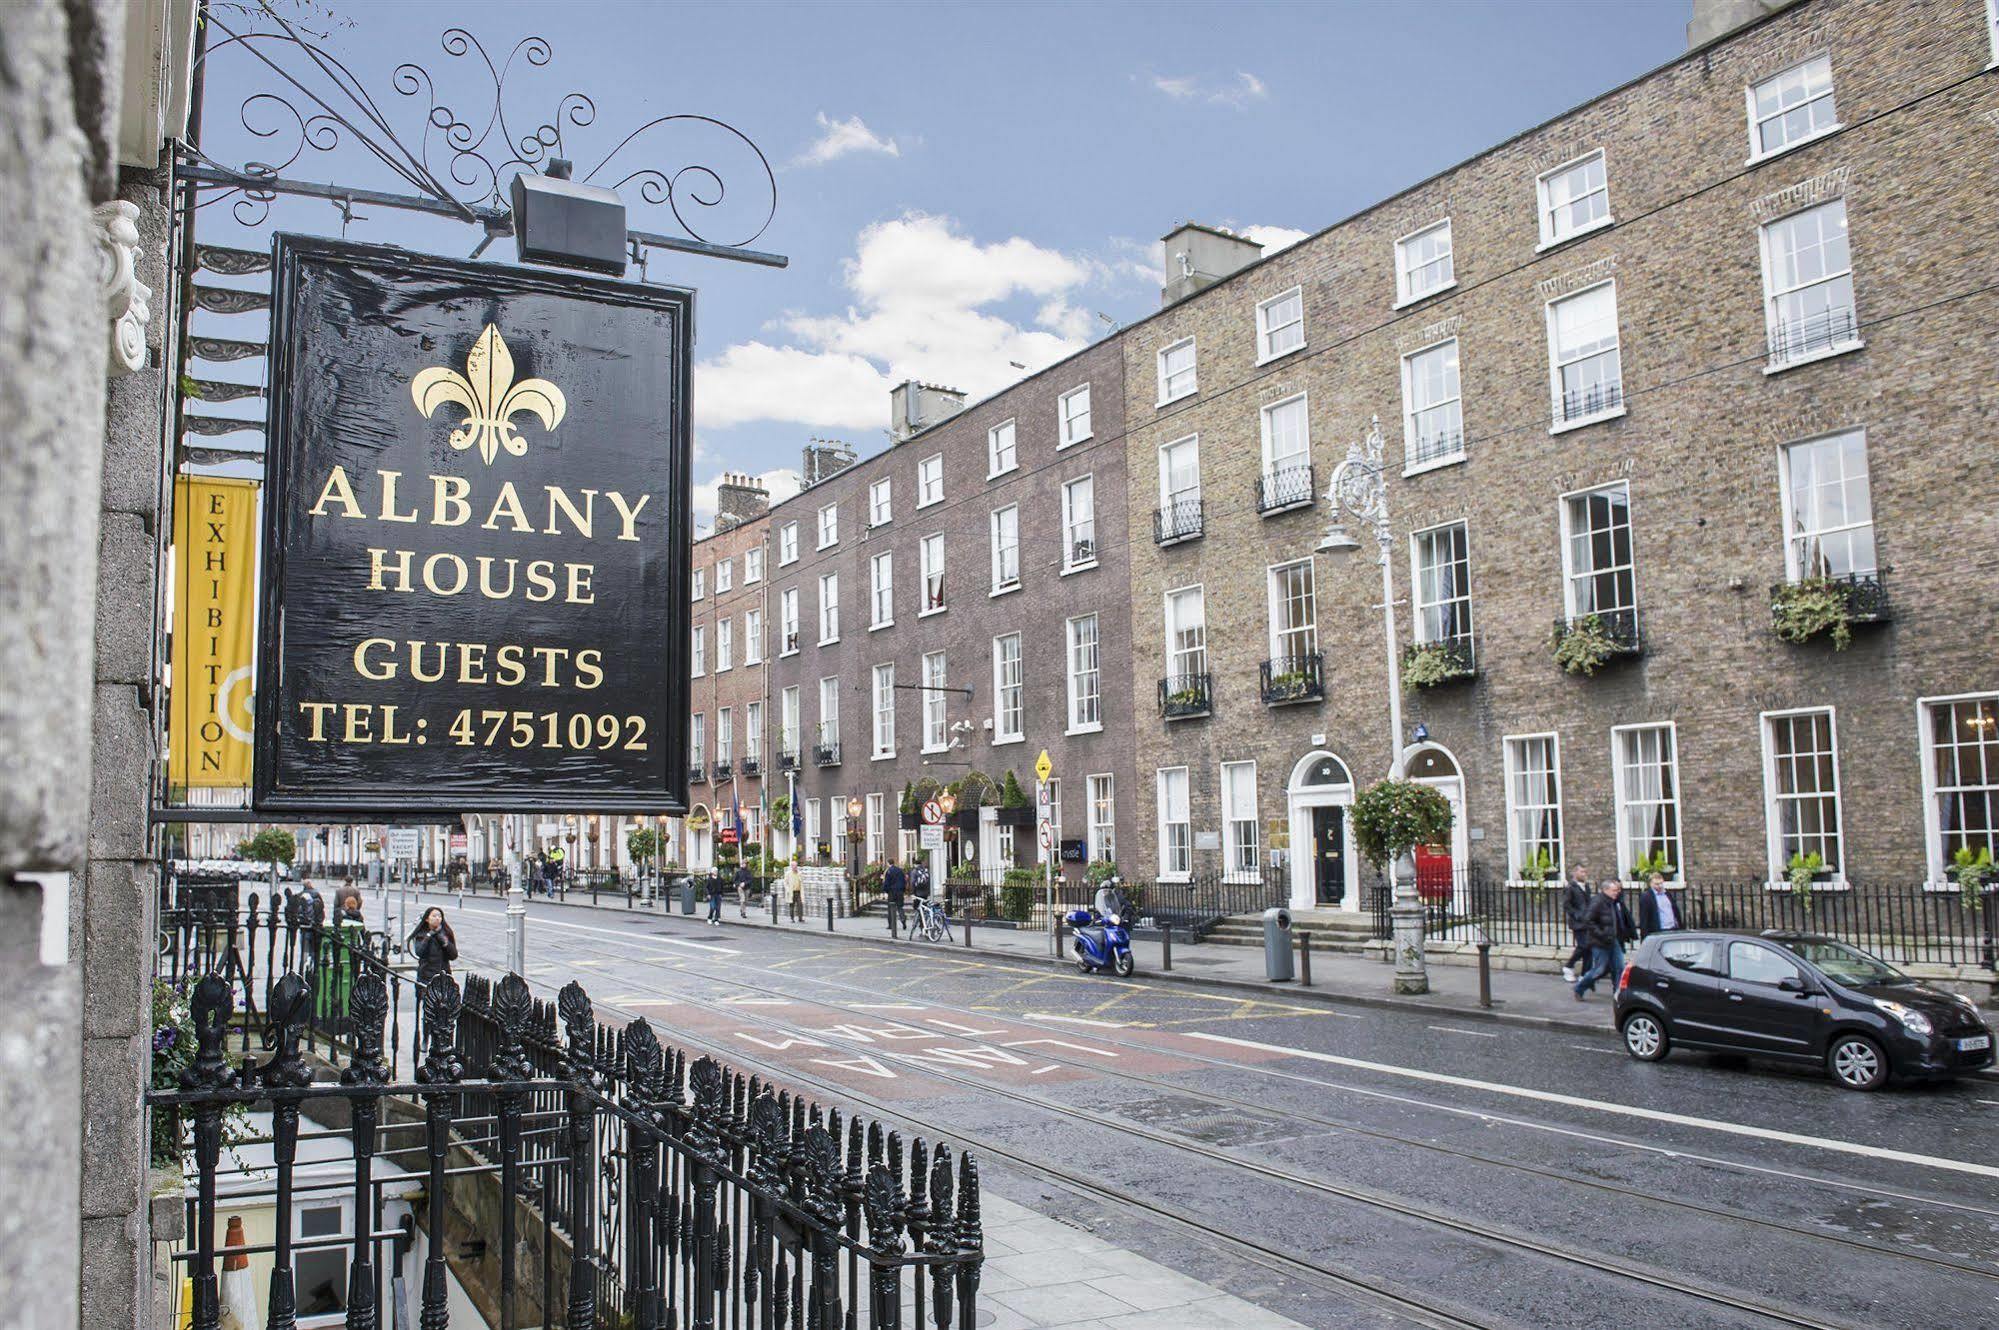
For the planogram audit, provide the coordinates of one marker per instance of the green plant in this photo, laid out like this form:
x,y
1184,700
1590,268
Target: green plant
x,y
975,789
909,804
1427,664
1017,895
1801,870
1289,682
269,846
1583,646
1537,868
174,1048
1099,871
780,808
1812,607
642,844
1186,699
1648,863
1011,795
1393,817
1970,868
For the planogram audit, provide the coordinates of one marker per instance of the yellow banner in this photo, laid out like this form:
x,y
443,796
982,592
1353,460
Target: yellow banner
x,y
215,613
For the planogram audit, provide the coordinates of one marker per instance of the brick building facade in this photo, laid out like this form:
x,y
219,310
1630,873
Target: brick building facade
x,y
1707,335
730,730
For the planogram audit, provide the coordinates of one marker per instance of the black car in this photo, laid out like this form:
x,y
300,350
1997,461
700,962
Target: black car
x,y
1796,997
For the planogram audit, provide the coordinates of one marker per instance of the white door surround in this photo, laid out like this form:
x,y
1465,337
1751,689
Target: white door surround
x,y
1319,780
1434,765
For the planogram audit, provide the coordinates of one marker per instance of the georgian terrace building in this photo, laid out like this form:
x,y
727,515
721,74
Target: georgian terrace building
x,y
729,725
1723,329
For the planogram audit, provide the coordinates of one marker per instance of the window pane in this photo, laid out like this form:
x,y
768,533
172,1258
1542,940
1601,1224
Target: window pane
x,y
1443,584
1286,441
1435,420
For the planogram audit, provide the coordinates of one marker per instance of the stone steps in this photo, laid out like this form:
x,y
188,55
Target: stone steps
x,y
1330,932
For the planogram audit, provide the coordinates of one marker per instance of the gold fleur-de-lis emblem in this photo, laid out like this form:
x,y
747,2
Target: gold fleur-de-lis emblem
x,y
490,397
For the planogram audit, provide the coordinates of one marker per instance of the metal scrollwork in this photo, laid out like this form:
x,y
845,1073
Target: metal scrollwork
x,y
579,1026
441,1064
211,1007
513,1008
285,1016
367,1005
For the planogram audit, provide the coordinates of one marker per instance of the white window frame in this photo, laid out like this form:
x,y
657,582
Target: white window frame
x,y
1192,371
1556,365
882,732
697,737
725,734
1002,585
1550,236
791,721
1794,536
1009,716
929,475
1066,416
1405,291
1100,832
1620,800
753,565
933,571
698,650
1773,298
829,525
1419,607
829,608
1085,674
1308,634
829,717
1938,863
1233,870
1570,574
1177,656
877,826
1169,498
788,626
700,583
753,732
343,1208
1411,466
1008,432
1759,153
1779,861
881,502
936,703
1266,331
725,645
881,591
1273,465
753,637
1516,846
725,575
787,543
1074,532
1169,869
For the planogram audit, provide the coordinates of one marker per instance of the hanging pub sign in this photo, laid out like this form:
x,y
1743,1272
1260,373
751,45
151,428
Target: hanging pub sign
x,y
477,528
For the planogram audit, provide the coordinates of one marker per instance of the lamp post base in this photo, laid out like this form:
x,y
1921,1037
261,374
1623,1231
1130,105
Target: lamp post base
x,y
1412,976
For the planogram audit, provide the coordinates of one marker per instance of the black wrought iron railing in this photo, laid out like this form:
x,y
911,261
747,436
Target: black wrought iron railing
x,y
787,758
596,1175
1020,896
1285,679
724,769
1595,400
696,773
1183,695
1865,594
1286,487
752,766
1430,445
826,754
1619,627
1796,339
1181,520
790,642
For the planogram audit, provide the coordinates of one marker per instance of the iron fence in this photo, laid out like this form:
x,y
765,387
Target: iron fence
x,y
1286,487
1903,924
1619,626
1794,339
1298,678
1184,695
1182,519
1594,400
661,1189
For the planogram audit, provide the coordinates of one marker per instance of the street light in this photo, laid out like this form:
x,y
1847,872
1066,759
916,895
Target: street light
x,y
1359,490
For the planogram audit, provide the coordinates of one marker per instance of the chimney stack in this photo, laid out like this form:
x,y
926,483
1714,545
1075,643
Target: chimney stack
x,y
914,407
824,458
1199,256
1718,18
738,499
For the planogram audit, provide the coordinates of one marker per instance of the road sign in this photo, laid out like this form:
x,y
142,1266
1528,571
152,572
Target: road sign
x,y
403,842
1042,766
933,813
1047,834
931,838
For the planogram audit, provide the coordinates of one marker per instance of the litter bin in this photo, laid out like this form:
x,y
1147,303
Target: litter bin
x,y
1277,945
687,895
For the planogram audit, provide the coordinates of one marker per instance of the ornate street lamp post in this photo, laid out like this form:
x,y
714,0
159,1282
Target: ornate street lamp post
x,y
855,809
1359,490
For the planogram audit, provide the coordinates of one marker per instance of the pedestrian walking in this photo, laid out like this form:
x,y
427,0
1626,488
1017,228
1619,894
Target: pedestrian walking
x,y
1656,911
1608,926
745,882
717,884
794,888
434,945
1575,901
894,886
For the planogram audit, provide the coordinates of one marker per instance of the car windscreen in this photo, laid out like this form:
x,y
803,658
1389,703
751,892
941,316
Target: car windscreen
x,y
1846,964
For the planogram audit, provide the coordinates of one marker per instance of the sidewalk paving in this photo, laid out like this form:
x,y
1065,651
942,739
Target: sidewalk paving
x,y
1518,997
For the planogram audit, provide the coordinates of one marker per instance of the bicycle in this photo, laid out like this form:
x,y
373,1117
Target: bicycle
x,y
929,923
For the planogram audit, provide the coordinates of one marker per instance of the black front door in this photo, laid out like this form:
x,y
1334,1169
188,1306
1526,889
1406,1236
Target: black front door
x,y
1329,854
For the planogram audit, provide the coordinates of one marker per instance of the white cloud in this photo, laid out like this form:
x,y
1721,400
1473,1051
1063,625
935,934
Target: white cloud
x,y
843,138
1273,238
781,483
924,308
1235,94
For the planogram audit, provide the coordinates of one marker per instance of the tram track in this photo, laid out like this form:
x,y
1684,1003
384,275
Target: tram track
x,y
1659,1279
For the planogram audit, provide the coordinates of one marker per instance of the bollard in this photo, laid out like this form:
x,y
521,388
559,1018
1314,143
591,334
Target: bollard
x,y
517,930
1055,938
1485,974
968,928
1166,948
829,914
1304,959
773,909
889,909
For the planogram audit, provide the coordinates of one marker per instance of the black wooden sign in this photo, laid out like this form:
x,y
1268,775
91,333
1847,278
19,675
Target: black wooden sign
x,y
476,544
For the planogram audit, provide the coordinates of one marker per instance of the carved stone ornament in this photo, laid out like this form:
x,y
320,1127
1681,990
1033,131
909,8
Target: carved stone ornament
x,y
127,300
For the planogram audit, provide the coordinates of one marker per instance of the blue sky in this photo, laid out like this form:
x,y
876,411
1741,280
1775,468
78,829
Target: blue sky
x,y
961,186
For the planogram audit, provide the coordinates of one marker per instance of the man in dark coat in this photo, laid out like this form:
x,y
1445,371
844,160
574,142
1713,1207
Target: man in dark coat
x,y
1608,926
894,886
1657,912
1575,900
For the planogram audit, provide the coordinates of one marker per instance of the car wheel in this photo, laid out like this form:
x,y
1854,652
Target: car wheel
x,y
1857,1062
1644,1037
1123,965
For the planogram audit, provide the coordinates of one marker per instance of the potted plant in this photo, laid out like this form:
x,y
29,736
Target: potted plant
x,y
1536,869
780,808
1016,809
1185,701
1430,664
911,811
1802,871
1582,645
1974,872
1648,863
1392,817
1812,607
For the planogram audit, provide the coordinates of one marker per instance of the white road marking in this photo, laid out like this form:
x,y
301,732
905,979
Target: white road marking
x,y
1993,1102
1042,1071
887,1006
1595,1048
626,934
1074,1020
744,1000
1625,1110
1476,1034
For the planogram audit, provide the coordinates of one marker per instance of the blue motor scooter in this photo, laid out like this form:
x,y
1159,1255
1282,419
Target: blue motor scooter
x,y
1102,934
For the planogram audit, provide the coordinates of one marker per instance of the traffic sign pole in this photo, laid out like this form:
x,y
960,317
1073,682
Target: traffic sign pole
x,y
1043,769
